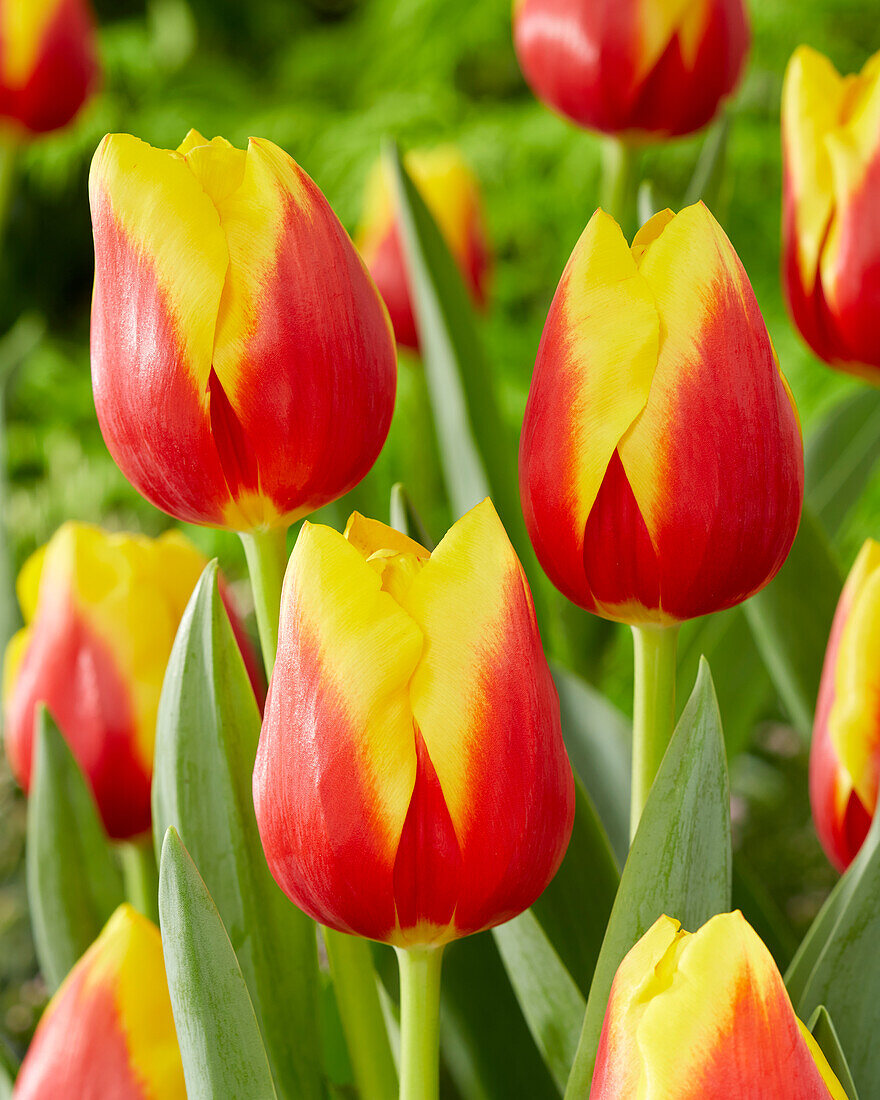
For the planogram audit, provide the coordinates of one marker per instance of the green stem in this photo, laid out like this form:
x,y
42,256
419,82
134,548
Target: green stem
x,y
141,876
266,554
357,997
420,1022
654,649
620,182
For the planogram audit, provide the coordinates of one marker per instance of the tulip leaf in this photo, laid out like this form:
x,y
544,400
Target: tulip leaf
x,y
73,881
206,742
680,860
824,1032
220,1042
404,517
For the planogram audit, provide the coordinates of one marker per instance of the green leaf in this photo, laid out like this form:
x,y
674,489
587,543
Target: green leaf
x,y
825,1034
73,880
220,1042
761,910
680,861
791,618
709,173
206,742
404,517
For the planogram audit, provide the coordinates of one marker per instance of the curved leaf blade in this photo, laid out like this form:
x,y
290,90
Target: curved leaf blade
x,y
823,1031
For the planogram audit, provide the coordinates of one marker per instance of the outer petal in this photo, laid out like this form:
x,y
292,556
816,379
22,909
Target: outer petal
x,y
109,1031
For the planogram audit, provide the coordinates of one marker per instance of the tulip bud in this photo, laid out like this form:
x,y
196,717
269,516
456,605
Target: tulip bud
x,y
242,360
411,784
102,612
831,209
845,753
108,1031
661,459
450,191
705,1016
646,67
48,62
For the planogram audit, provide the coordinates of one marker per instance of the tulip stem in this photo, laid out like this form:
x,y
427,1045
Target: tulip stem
x,y
654,650
140,876
420,1022
266,554
620,182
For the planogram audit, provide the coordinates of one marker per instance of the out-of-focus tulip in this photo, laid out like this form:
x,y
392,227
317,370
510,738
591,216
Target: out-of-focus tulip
x,y
242,360
831,209
450,191
661,459
411,783
48,62
108,1032
101,611
705,1016
845,753
650,67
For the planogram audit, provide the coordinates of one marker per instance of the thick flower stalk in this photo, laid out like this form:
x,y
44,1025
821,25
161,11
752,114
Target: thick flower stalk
x,y
845,751
655,68
243,363
108,1031
831,209
101,612
705,1016
452,194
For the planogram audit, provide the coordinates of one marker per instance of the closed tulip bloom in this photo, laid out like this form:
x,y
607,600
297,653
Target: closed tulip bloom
x,y
705,1016
101,613
108,1033
450,191
661,459
845,752
48,62
242,360
831,209
644,67
411,784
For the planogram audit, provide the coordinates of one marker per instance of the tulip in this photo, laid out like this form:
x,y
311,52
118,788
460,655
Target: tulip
x,y
242,360
638,67
845,753
661,459
108,1031
411,784
705,1016
48,62
831,209
101,612
450,191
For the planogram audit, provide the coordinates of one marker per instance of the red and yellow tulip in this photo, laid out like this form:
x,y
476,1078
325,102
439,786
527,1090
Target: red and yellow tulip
x,y
640,67
48,62
661,459
108,1031
242,360
705,1016
101,611
845,752
831,209
450,191
411,784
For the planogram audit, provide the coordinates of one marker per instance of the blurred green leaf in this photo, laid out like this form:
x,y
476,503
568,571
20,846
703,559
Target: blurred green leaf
x,y
840,454
758,906
680,861
404,517
823,1031
708,178
73,880
206,741
220,1042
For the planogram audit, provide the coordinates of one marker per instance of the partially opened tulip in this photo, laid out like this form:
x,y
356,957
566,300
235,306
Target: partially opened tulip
x,y
450,191
831,209
845,751
108,1032
705,1016
633,67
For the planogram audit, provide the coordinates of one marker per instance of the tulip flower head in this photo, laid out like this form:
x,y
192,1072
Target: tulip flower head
x,y
705,1016
48,62
242,360
411,784
656,68
831,209
450,191
661,459
845,751
108,1031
